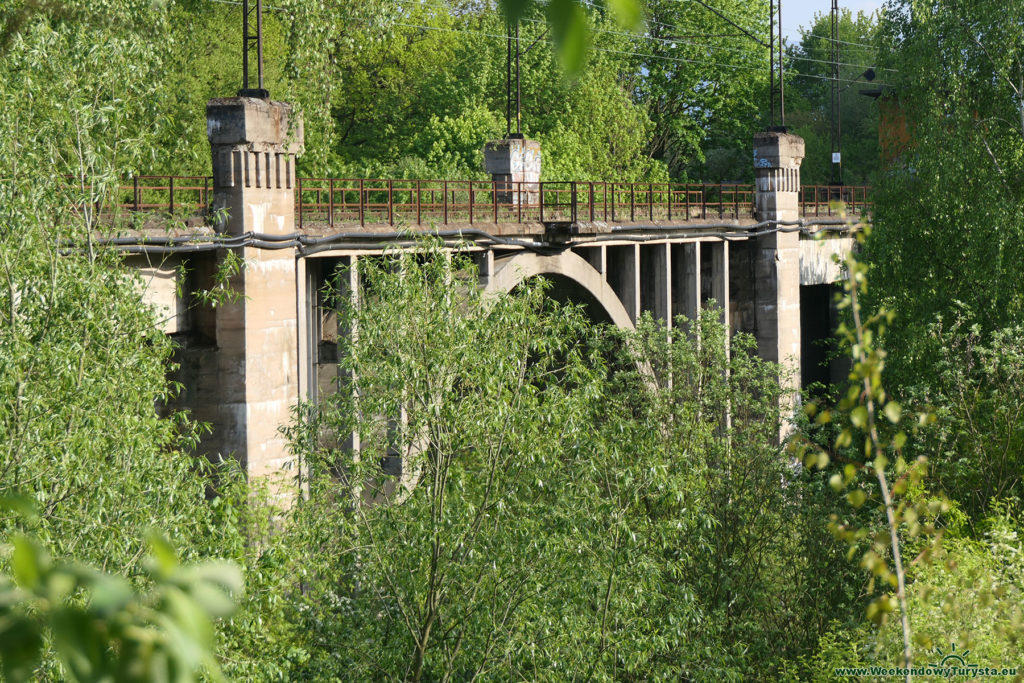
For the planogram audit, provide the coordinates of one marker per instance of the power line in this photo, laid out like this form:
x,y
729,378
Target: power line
x,y
674,41
731,22
625,52
238,2
829,38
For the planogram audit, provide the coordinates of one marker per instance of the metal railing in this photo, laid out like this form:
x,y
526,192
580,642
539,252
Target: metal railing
x,y
181,196
360,202
819,200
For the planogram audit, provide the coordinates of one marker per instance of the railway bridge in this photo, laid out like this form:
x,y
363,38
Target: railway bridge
x,y
763,252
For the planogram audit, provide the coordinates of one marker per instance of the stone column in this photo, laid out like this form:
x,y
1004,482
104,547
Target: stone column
x,y
690,288
623,263
720,281
254,143
514,165
777,158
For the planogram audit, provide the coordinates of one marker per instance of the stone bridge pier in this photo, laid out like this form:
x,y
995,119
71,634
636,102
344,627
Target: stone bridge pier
x,y
247,361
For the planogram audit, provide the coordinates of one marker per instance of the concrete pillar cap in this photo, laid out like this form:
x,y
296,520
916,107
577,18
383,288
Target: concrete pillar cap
x,y
777,150
255,122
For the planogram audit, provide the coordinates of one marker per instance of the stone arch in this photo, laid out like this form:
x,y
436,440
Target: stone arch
x,y
571,273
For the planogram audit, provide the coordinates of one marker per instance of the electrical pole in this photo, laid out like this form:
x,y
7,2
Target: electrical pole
x,y
519,89
508,80
771,61
837,131
776,63
249,9
782,83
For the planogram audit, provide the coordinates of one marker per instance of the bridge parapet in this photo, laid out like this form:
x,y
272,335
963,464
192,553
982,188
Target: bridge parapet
x,y
358,203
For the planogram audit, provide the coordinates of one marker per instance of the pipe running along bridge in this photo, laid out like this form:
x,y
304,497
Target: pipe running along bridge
x,y
762,251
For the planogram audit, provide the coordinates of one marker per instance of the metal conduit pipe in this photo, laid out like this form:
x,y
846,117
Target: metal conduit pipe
x,y
376,240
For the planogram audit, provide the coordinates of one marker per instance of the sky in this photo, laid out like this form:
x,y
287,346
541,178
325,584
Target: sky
x,y
797,13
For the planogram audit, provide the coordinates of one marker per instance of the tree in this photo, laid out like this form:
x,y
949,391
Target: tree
x,y
703,80
947,246
948,237
101,628
809,98
530,495
82,360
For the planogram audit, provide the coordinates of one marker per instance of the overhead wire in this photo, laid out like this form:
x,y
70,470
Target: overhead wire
x,y
626,52
667,41
829,38
673,41
745,52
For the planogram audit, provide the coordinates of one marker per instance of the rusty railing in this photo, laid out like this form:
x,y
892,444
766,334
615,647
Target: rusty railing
x,y
360,201
819,200
181,196
352,202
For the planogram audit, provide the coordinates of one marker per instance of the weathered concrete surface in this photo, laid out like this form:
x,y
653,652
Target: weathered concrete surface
x,y
255,336
524,265
257,346
514,164
777,158
164,290
254,144
817,265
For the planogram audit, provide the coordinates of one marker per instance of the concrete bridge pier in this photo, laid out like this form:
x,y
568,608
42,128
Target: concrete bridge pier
x,y
777,158
254,143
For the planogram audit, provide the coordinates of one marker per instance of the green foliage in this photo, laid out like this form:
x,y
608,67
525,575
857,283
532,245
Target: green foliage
x,y
83,425
976,388
870,445
948,220
101,628
533,496
809,98
704,86
968,595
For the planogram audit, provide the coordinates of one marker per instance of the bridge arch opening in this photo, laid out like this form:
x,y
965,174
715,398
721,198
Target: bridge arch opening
x,y
572,279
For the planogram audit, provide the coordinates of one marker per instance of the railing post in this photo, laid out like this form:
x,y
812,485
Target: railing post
x,y
632,202
721,200
519,202
590,199
330,202
541,200
135,184
703,202
419,218
391,202
650,200
445,193
362,205
494,200
572,201
736,202
471,198
298,200
668,188
206,195
613,200
170,186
